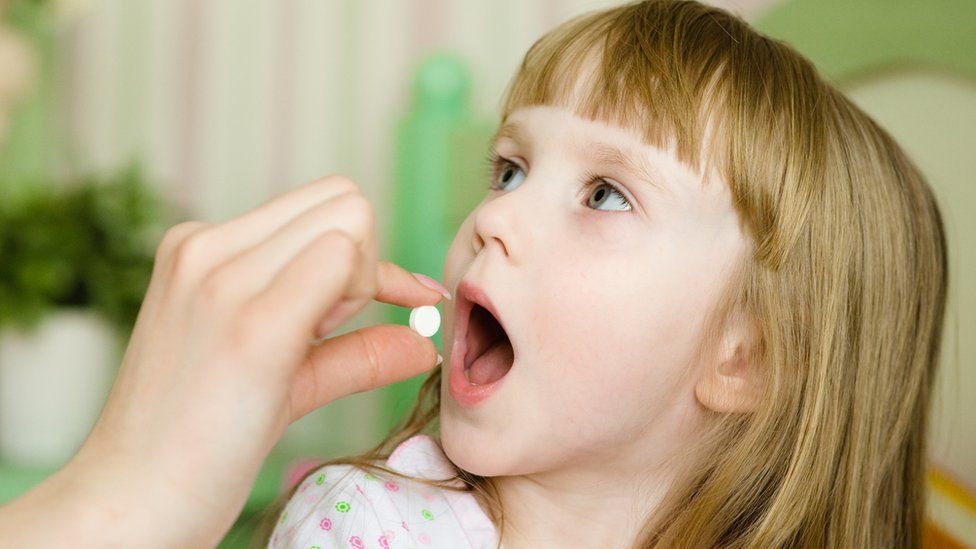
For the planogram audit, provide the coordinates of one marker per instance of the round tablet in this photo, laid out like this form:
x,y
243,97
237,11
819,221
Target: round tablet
x,y
425,320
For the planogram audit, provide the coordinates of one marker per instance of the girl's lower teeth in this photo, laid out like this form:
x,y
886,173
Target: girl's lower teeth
x,y
467,374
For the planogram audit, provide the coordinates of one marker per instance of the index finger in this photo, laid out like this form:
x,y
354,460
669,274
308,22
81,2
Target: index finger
x,y
394,285
397,286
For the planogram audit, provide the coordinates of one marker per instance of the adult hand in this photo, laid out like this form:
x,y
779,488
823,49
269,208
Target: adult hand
x,y
223,357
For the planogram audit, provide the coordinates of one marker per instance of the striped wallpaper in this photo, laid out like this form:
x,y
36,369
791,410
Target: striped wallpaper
x,y
230,102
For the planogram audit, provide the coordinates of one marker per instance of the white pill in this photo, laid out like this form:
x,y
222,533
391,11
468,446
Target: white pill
x,y
425,320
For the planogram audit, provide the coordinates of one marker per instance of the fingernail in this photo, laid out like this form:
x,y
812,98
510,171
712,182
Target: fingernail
x,y
439,359
432,284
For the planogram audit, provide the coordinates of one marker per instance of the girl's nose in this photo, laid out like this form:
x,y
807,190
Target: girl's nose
x,y
498,223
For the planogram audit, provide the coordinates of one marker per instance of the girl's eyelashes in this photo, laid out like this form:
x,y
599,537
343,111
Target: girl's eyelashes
x,y
503,171
607,193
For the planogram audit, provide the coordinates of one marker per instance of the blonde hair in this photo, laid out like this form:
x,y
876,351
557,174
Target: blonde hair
x,y
845,285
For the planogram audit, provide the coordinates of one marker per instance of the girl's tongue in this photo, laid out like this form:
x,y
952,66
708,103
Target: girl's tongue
x,y
493,364
490,354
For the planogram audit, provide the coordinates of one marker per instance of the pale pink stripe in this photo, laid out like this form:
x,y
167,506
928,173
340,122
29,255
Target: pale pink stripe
x,y
553,14
429,19
283,99
187,103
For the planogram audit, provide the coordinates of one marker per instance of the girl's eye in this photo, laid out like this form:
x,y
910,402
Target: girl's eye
x,y
606,194
504,172
507,172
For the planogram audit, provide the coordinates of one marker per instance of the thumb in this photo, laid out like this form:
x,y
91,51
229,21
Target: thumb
x,y
359,361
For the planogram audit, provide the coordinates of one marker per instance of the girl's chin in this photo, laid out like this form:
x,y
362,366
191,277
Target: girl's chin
x,y
474,455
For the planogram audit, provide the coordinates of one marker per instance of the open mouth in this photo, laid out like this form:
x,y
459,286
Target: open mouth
x,y
489,354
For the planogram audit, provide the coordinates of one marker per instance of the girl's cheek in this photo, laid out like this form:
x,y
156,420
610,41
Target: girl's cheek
x,y
608,232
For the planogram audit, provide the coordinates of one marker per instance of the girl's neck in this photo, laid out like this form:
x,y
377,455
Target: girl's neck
x,y
601,508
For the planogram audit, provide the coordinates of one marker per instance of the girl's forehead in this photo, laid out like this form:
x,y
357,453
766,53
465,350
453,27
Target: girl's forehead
x,y
578,88
558,121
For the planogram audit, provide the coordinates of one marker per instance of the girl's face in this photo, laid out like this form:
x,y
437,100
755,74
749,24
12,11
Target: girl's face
x,y
602,286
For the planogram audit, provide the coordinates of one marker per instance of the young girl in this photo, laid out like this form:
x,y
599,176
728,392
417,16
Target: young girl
x,y
699,306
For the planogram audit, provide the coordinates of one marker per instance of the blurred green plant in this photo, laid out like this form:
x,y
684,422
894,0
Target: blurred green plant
x,y
88,243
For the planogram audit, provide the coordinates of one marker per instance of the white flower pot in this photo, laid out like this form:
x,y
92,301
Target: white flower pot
x,y
53,384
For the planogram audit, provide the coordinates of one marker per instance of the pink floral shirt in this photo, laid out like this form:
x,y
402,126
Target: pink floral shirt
x,y
343,506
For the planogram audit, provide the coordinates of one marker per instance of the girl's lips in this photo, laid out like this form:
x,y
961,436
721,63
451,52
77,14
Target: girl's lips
x,y
467,295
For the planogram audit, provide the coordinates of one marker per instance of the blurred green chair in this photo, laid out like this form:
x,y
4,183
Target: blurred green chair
x,y
854,42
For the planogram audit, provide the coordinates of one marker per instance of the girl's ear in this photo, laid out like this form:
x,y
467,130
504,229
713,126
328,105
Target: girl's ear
x,y
731,383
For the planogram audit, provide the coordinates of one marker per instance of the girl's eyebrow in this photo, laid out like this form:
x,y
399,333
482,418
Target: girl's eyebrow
x,y
510,130
627,159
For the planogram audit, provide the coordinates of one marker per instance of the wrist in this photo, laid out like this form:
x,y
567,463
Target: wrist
x,y
115,503
126,499
56,512
99,505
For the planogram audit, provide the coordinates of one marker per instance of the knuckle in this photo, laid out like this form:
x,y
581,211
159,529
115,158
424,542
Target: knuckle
x,y
189,253
363,207
360,209
373,374
175,235
339,182
188,250
340,243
